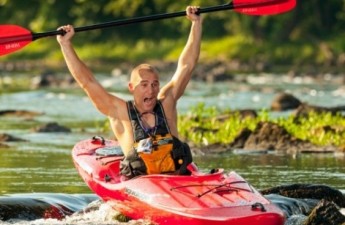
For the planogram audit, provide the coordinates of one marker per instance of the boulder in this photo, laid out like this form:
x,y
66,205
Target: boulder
x,y
52,127
326,212
271,136
309,191
285,101
9,138
305,109
19,113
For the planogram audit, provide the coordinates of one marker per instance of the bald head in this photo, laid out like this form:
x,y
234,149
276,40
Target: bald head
x,y
140,70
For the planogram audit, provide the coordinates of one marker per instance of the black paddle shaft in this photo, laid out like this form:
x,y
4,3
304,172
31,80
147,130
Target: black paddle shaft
x,y
228,6
133,20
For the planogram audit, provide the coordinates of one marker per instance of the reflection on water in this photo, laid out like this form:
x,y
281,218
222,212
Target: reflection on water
x,y
49,168
44,169
269,170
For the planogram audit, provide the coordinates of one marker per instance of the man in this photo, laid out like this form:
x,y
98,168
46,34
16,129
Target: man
x,y
146,128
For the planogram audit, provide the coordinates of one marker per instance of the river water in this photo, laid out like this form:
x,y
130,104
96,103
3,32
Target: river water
x,y
39,173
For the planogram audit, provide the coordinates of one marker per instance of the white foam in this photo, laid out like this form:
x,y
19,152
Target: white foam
x,y
104,214
342,211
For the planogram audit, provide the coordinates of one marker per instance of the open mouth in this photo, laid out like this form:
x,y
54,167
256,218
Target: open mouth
x,y
147,100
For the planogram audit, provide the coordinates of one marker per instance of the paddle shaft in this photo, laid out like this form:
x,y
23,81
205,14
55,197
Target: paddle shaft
x,y
228,6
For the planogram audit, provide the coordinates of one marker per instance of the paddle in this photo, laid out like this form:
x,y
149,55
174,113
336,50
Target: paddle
x,y
13,37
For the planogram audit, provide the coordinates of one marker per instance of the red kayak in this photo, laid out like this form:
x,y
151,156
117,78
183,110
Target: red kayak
x,y
201,198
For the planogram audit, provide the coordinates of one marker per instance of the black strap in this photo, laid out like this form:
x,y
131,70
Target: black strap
x,y
138,132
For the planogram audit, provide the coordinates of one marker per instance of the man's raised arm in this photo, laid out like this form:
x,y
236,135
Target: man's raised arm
x,y
188,58
102,100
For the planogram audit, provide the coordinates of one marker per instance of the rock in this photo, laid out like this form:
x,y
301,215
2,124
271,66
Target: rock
x,y
310,191
9,138
241,139
216,71
326,212
50,79
243,113
218,74
271,136
305,109
52,127
298,199
285,101
20,208
216,148
19,113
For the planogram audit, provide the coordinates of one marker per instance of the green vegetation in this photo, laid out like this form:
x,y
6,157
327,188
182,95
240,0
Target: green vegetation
x,y
311,34
319,128
201,126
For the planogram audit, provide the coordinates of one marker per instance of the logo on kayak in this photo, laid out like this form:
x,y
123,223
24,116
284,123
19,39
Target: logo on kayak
x,y
145,196
13,45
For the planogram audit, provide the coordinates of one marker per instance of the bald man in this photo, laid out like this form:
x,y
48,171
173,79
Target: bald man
x,y
145,127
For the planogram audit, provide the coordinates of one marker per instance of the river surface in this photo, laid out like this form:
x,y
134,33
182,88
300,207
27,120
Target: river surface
x,y
40,169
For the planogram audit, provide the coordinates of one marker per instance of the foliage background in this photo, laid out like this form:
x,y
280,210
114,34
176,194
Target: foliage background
x,y
311,34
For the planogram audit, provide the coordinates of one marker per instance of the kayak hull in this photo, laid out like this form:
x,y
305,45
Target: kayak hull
x,y
214,198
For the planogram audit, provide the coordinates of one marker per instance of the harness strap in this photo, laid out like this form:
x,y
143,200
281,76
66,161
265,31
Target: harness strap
x,y
167,154
138,131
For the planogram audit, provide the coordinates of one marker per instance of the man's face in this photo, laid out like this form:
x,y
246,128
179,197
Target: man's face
x,y
145,88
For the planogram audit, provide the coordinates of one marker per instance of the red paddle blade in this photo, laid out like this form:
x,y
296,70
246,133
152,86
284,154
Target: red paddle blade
x,y
12,38
263,7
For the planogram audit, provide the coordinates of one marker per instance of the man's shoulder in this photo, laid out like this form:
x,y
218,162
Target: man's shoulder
x,y
116,108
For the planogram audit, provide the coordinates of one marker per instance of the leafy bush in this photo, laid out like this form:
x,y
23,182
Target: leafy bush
x,y
201,126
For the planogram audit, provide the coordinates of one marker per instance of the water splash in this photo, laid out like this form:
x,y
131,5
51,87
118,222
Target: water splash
x,y
59,209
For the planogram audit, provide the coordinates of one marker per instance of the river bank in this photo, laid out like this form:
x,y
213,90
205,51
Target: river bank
x,y
278,86
211,71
